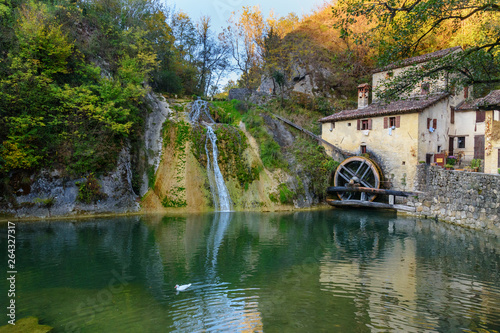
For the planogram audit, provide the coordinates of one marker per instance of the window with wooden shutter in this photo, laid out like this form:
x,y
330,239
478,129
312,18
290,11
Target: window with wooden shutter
x,y
466,92
480,116
392,121
452,118
429,120
386,122
434,123
364,124
395,121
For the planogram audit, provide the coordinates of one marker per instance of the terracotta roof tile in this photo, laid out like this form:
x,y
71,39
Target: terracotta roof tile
x,y
418,59
382,109
487,102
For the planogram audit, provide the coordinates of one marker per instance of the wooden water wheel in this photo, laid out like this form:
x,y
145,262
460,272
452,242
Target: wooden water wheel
x,y
358,171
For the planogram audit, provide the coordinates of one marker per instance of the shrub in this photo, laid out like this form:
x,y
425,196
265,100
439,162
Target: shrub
x,y
47,202
475,163
89,190
273,198
175,198
241,106
286,196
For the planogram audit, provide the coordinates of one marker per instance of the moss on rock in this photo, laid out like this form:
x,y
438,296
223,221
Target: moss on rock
x,y
24,325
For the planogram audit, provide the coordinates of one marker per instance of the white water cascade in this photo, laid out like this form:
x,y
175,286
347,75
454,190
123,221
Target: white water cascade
x,y
200,112
220,194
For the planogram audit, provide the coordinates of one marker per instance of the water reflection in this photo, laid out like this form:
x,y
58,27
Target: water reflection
x,y
308,271
215,304
219,226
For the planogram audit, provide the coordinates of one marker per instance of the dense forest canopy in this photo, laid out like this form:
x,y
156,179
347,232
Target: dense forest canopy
x,y
74,74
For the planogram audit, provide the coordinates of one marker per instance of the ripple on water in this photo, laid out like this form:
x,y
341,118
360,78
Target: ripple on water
x,y
216,308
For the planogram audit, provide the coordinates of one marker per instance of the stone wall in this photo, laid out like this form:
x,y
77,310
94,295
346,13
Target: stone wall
x,y
469,199
241,94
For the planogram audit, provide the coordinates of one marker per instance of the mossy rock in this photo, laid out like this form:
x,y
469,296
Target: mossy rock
x,y
26,325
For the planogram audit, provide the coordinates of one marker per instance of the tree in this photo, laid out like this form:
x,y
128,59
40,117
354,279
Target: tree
x,y
57,107
402,29
184,32
244,38
212,56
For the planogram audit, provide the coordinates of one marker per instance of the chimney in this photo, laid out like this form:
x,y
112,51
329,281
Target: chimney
x,y
363,95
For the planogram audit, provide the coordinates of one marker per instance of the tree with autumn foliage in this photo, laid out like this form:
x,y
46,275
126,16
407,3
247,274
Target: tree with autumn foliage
x,y
402,29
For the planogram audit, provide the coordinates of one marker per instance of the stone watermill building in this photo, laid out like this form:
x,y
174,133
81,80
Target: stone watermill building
x,y
424,126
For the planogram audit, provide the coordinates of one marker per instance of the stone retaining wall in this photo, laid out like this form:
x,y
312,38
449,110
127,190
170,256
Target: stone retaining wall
x,y
469,199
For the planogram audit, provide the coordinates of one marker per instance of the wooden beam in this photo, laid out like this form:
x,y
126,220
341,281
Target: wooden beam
x,y
359,203
342,189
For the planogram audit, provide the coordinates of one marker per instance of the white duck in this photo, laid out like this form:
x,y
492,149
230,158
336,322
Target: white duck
x,y
183,287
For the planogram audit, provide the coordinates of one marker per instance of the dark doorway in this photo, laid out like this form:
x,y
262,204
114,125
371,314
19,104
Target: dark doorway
x,y
450,146
428,159
479,146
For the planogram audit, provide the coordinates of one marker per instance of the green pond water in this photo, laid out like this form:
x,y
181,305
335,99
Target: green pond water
x,y
321,271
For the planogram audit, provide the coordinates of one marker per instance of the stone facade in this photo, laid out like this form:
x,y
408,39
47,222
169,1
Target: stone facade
x,y
397,150
381,75
468,199
241,94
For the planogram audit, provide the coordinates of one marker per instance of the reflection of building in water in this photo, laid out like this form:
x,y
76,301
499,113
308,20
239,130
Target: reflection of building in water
x,y
384,289
252,321
473,300
462,264
408,283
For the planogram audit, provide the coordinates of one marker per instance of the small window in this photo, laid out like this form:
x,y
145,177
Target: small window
x,y
461,142
348,124
431,123
439,149
392,121
363,149
364,124
332,126
466,92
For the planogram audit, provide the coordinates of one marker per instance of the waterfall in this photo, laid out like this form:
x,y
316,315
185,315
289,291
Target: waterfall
x,y
199,109
222,200
200,113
